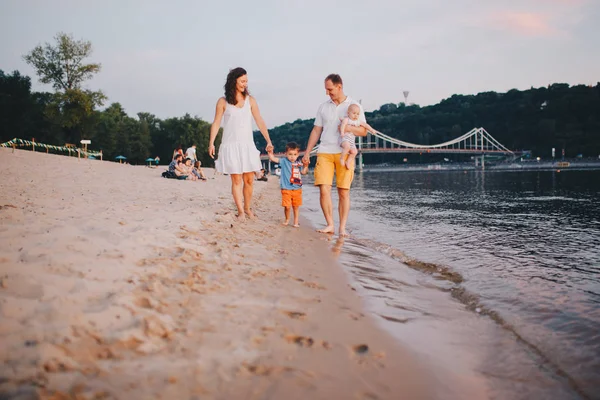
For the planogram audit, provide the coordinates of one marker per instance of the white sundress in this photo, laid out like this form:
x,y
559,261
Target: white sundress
x,y
237,152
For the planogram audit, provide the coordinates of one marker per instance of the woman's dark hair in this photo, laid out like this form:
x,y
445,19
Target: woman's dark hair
x,y
230,83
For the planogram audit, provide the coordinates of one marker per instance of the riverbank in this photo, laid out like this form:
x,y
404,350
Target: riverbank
x,y
116,283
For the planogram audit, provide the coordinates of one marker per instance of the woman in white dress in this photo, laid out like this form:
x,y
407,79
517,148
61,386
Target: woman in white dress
x,y
238,155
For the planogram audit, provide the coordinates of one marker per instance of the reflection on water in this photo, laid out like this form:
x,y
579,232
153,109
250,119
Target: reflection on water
x,y
523,320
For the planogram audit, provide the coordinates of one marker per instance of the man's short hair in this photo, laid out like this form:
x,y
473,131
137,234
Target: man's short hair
x,y
178,156
292,146
335,79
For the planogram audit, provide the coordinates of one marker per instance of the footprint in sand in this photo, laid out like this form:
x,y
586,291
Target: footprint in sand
x,y
265,370
360,349
314,285
306,341
302,341
295,314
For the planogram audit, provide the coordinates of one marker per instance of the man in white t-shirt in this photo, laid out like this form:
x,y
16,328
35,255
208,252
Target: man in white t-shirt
x,y
191,153
328,158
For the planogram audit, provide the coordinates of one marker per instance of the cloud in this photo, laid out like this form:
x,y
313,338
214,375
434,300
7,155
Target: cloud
x,y
525,23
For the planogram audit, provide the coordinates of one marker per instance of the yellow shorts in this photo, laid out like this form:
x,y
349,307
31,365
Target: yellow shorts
x,y
326,164
291,198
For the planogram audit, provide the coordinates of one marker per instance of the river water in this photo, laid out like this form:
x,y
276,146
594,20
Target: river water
x,y
492,278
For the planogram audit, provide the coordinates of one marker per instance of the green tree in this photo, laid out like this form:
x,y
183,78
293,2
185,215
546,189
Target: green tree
x,y
63,66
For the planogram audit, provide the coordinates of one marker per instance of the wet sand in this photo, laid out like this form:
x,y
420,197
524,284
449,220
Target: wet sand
x,y
117,283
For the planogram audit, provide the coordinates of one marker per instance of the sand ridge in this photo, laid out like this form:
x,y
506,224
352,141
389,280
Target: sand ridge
x,y
117,283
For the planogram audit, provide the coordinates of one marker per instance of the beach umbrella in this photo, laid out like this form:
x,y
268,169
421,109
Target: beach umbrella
x,y
120,158
149,161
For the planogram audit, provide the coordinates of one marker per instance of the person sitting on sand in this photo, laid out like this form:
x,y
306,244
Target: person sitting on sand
x,y
290,180
262,175
173,164
197,171
176,169
189,169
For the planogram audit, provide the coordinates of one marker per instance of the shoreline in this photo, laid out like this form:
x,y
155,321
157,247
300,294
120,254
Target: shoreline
x,y
120,283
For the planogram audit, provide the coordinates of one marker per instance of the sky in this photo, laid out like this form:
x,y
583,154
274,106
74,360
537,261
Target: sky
x,y
171,57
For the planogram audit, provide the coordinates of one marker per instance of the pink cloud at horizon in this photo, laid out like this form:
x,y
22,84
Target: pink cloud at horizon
x,y
530,24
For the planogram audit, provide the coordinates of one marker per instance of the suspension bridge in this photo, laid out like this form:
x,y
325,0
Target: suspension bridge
x,y
477,142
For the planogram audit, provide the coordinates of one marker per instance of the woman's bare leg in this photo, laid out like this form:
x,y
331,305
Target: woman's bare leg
x,y
236,191
248,189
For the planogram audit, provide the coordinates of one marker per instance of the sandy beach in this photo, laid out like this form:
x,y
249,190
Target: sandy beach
x,y
119,284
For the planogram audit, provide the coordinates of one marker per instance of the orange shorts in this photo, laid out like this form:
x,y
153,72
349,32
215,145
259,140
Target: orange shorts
x,y
329,164
291,198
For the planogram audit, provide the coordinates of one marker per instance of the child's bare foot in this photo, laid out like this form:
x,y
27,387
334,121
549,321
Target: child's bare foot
x,y
327,229
343,233
286,222
250,214
296,225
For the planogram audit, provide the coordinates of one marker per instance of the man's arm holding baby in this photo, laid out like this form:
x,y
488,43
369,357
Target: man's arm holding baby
x,y
355,130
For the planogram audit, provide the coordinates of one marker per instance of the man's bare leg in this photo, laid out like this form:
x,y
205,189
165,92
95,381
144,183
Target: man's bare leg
x,y
344,209
286,213
248,189
236,191
327,208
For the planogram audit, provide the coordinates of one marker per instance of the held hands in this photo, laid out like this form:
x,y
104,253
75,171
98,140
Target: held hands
x,y
211,150
269,147
306,158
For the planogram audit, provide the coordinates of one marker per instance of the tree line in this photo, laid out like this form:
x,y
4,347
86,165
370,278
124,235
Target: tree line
x,y
559,116
71,113
538,119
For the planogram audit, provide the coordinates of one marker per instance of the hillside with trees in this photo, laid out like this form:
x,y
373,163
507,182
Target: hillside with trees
x,y
537,119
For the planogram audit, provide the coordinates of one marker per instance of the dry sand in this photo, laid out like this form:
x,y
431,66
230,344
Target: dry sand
x,y
117,283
